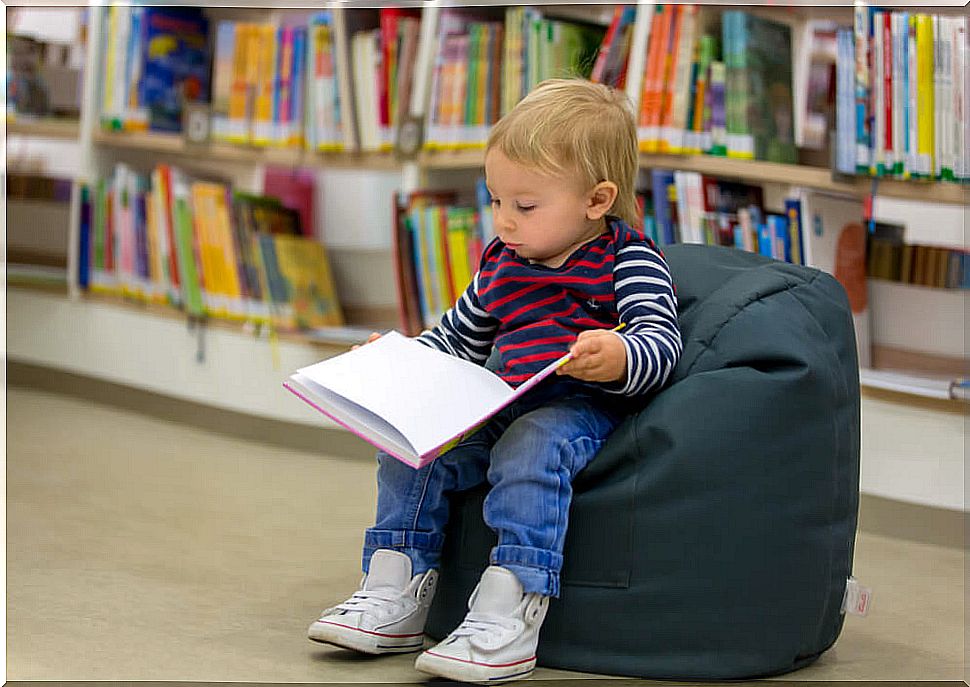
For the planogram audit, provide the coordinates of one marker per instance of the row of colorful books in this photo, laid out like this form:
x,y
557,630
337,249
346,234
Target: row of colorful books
x,y
291,84
911,91
687,207
934,266
437,248
155,59
486,61
717,83
296,85
169,238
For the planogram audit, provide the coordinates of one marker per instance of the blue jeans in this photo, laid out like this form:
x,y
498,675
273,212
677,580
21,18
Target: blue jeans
x,y
530,453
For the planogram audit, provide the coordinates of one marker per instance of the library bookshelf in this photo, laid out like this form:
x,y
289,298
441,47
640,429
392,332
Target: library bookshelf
x,y
925,376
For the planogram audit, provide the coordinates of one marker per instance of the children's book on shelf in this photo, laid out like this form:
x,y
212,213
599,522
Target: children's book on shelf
x,y
758,59
296,190
912,92
299,283
835,242
155,60
405,398
437,249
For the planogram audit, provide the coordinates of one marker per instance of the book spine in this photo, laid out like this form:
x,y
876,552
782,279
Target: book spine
x,y
878,166
889,153
899,93
962,98
912,99
925,97
681,79
945,68
796,236
85,238
718,109
862,21
299,87
652,95
283,105
602,55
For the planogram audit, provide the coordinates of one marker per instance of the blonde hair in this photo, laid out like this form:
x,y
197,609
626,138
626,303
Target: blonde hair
x,y
574,126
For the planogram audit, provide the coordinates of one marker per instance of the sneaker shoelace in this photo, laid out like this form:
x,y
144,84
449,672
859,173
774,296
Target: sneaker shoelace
x,y
478,624
368,601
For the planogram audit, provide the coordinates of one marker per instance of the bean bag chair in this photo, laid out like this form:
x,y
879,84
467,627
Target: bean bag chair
x,y
713,535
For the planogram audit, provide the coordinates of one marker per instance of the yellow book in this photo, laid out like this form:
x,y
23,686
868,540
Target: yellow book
x,y
217,254
110,58
458,231
924,163
266,75
156,270
240,91
302,270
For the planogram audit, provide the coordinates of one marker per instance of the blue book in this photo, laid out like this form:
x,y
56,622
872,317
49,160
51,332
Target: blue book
x,y
662,179
84,243
298,79
175,54
845,159
275,116
484,200
765,243
738,237
414,223
780,241
862,31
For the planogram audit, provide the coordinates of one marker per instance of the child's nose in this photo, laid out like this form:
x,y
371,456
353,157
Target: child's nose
x,y
503,220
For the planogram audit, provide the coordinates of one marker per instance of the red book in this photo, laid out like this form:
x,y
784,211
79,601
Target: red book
x,y
390,18
173,268
600,65
887,70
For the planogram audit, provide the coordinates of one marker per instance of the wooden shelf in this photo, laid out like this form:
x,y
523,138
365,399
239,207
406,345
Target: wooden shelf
x,y
755,171
44,128
173,144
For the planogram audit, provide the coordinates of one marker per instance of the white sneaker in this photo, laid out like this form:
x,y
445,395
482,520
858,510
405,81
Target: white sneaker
x,y
387,615
497,640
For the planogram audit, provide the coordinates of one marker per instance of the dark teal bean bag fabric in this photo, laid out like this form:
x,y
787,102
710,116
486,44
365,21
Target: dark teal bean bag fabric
x,y
713,535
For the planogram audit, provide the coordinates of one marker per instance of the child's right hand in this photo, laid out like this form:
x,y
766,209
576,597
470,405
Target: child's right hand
x,y
374,336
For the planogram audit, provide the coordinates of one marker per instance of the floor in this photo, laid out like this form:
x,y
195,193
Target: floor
x,y
139,549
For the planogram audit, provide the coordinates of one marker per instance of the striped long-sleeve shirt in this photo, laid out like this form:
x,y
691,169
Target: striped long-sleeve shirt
x,y
533,313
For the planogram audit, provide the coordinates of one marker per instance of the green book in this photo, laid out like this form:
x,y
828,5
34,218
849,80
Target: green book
x,y
760,114
185,246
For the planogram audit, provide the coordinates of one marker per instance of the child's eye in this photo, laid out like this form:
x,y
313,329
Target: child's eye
x,y
495,202
526,208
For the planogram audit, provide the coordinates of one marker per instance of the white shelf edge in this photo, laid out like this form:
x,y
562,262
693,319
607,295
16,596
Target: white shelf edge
x,y
914,385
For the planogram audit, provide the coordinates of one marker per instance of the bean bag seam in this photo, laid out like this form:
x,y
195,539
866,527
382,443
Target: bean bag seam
x,y
787,286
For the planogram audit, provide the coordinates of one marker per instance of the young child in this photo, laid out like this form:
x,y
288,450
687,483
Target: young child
x,y
564,270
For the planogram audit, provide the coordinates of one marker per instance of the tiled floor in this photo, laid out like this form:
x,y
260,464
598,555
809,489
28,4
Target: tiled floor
x,y
139,549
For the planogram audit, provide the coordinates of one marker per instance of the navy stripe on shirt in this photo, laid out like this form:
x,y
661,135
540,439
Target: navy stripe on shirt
x,y
533,313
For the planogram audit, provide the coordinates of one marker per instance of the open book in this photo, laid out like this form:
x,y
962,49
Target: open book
x,y
405,398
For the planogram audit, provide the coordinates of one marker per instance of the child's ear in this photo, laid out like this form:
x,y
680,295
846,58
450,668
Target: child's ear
x,y
601,199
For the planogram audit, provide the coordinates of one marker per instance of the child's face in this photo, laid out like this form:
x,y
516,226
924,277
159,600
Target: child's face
x,y
542,218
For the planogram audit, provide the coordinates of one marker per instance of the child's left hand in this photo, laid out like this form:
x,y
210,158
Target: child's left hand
x,y
597,356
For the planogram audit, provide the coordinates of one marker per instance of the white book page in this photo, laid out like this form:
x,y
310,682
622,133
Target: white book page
x,y
427,395
358,420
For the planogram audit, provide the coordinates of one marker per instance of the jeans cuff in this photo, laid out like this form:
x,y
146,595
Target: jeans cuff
x,y
423,548
537,569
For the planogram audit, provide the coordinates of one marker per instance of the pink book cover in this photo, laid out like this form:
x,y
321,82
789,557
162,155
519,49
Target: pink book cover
x,y
407,399
296,189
